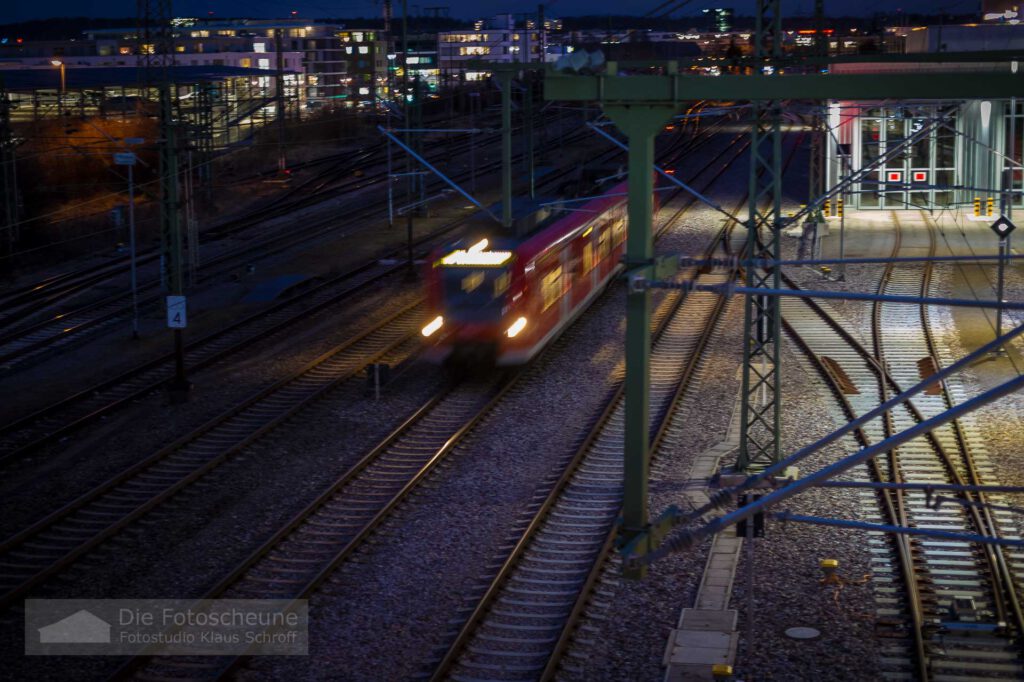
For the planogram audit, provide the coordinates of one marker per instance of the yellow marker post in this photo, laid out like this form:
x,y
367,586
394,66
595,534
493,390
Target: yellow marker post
x,y
721,671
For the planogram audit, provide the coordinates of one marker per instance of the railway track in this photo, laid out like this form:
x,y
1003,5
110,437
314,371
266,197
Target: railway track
x,y
301,555
33,431
304,553
527,611
528,608
21,342
56,542
18,302
921,578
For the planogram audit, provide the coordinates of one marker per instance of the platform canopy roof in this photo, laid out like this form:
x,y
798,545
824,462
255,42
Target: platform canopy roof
x,y
26,80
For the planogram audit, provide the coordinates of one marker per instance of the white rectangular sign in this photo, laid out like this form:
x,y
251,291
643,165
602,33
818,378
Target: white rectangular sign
x,y
176,315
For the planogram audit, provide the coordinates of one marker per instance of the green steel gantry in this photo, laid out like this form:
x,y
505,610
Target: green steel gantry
x,y
760,401
639,104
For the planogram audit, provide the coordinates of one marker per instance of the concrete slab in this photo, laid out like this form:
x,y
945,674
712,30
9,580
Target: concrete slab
x,y
688,655
702,619
702,639
689,673
707,634
708,600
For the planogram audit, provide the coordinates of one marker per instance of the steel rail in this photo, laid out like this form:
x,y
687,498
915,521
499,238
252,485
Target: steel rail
x,y
515,556
219,668
299,519
114,305
256,416
90,394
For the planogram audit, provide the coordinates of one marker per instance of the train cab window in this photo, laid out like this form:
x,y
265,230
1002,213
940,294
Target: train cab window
x,y
474,294
551,287
501,283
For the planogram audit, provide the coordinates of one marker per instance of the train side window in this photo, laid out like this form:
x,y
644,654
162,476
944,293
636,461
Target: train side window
x,y
619,231
588,258
602,245
551,287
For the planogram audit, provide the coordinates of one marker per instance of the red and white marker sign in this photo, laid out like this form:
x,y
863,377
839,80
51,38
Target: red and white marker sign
x,y
920,176
894,176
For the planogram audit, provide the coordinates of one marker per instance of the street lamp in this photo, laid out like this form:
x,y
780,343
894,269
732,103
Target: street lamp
x,y
63,84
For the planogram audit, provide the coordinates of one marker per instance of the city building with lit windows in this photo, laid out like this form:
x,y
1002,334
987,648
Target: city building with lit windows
x,y
498,39
337,65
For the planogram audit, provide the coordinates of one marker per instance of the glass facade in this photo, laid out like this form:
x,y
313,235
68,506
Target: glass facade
x,y
917,174
1013,132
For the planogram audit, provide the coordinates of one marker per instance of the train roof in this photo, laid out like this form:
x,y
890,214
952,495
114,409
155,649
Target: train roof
x,y
538,224
572,218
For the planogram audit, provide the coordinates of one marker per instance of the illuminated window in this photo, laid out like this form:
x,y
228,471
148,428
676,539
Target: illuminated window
x,y
363,49
413,60
245,63
588,258
259,47
364,91
358,37
124,50
264,64
348,49
501,284
602,244
474,50
551,287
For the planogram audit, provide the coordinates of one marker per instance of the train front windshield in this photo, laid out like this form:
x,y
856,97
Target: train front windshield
x,y
474,282
474,294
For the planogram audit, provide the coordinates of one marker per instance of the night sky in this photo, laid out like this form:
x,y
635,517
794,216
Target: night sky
x,y
20,10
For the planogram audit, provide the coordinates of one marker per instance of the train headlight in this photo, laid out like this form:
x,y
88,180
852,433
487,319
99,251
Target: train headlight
x,y
432,326
516,327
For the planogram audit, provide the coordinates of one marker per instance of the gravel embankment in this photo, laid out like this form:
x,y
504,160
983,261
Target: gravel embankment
x,y
183,548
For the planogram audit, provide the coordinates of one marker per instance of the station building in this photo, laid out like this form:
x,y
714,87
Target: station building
x,y
931,155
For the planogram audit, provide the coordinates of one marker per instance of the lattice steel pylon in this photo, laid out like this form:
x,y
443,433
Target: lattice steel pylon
x,y
202,137
760,399
816,167
8,183
155,56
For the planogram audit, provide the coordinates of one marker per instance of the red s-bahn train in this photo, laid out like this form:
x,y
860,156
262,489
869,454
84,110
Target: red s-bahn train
x,y
503,299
